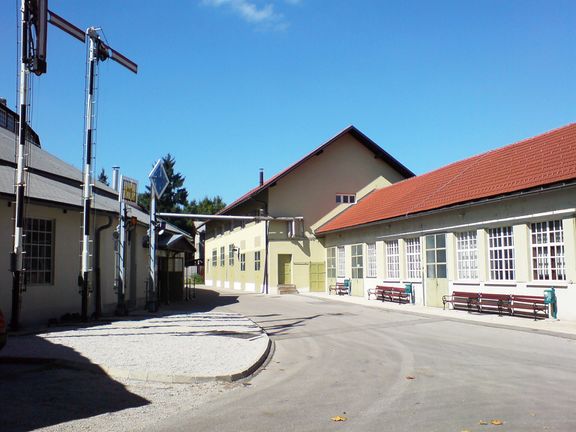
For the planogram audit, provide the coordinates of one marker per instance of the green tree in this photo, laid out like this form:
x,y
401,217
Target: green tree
x,y
206,205
175,197
103,178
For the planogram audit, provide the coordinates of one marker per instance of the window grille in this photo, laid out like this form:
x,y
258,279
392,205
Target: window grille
x,y
467,255
341,262
243,262
371,260
392,259
331,262
413,258
548,261
257,261
501,253
38,246
357,262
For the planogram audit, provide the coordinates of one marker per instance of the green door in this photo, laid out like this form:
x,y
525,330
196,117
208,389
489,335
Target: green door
x,y
436,275
317,277
284,269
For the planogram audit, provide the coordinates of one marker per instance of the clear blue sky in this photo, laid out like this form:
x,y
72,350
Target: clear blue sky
x,y
229,86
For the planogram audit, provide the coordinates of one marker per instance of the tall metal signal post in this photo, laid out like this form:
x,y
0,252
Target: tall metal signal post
x,y
34,17
98,51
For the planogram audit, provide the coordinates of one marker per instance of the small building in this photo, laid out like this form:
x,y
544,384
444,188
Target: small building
x,y
499,222
277,248
53,235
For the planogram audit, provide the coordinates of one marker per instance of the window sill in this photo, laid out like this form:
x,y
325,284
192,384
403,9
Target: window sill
x,y
547,284
467,282
501,283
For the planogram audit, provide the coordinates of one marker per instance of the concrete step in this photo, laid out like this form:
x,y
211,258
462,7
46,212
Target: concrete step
x,y
287,289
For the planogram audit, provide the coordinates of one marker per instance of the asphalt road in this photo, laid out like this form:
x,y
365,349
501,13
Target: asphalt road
x,y
389,371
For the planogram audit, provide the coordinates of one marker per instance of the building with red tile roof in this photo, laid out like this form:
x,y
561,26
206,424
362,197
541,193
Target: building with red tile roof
x,y
537,162
502,222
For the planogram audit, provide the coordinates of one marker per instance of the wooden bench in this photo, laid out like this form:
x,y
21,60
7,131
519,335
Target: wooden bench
x,y
339,288
495,303
462,300
393,294
530,305
377,292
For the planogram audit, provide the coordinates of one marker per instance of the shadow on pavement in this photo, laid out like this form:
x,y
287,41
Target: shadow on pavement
x,y
39,393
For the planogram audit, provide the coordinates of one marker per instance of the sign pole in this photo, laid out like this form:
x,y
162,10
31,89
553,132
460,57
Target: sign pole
x,y
158,184
121,253
152,279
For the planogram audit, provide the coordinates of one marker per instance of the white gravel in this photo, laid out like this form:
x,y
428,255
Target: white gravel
x,y
174,348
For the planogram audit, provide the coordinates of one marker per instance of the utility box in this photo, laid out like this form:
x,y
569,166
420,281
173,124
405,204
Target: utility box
x,y
550,299
409,290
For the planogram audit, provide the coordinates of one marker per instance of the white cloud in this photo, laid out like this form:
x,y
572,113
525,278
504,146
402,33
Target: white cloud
x,y
264,15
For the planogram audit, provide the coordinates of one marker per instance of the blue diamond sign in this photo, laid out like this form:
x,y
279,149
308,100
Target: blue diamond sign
x,y
158,178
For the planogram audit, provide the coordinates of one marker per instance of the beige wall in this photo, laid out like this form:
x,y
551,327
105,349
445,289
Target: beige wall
x,y
517,212
249,239
345,166
42,302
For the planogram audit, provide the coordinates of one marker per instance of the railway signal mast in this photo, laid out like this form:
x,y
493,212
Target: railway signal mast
x,y
32,59
35,16
98,51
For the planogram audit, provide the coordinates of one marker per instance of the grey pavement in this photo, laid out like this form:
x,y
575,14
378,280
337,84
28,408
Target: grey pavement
x,y
193,346
542,326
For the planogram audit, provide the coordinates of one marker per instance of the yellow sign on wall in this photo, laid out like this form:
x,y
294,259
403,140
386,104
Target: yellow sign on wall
x,y
130,190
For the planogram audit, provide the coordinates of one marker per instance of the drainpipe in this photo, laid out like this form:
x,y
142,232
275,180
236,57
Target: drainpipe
x,y
98,300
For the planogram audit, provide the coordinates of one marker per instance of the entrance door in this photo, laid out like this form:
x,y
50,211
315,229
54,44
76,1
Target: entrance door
x,y
317,277
436,275
284,269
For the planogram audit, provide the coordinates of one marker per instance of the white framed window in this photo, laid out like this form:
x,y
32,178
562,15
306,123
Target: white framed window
x,y
38,246
548,261
257,261
331,262
413,258
357,262
242,262
371,260
214,257
346,198
501,253
222,257
341,266
392,259
467,255
231,255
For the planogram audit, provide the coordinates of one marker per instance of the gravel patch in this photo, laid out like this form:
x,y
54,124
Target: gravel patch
x,y
174,348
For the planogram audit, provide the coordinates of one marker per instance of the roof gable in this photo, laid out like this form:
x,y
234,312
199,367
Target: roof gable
x,y
542,160
352,130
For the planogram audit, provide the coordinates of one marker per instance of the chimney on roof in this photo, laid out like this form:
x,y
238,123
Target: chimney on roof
x,y
115,178
261,176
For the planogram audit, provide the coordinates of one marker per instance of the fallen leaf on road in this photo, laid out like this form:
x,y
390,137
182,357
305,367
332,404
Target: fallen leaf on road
x,y
410,377
483,423
497,422
338,418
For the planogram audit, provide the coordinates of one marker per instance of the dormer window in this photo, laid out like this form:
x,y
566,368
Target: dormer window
x,y
345,198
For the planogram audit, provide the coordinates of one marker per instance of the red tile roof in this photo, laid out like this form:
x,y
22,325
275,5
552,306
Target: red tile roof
x,y
542,160
378,152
